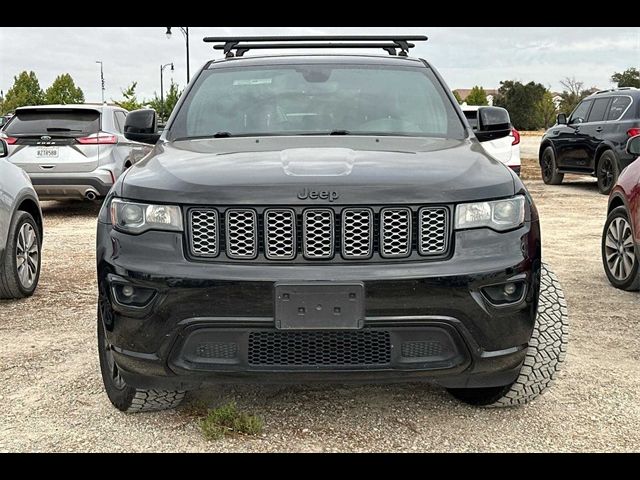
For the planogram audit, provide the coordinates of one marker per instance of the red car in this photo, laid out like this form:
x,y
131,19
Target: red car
x,y
621,235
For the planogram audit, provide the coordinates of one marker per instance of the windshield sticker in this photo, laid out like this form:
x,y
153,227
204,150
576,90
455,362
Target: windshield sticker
x,y
253,81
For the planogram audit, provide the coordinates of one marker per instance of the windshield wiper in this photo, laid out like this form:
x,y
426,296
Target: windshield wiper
x,y
222,135
339,132
61,129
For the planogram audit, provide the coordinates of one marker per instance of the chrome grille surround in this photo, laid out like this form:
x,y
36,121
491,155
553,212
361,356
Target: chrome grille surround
x,y
203,232
280,234
318,233
395,232
241,233
433,230
357,233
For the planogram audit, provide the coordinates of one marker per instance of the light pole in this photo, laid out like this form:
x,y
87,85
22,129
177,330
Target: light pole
x,y
162,67
101,79
185,32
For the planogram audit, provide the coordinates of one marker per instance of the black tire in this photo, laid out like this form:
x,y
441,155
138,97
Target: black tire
x,y
124,397
549,169
615,253
545,354
607,172
11,283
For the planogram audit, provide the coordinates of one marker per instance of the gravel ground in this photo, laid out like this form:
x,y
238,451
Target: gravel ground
x,y
53,399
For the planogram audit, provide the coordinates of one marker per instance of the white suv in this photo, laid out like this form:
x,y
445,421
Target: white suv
x,y
506,149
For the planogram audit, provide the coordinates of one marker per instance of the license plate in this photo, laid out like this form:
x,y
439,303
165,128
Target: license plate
x,y
319,306
47,152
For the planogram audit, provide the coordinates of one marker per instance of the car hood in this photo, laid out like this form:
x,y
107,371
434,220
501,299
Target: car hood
x,y
300,170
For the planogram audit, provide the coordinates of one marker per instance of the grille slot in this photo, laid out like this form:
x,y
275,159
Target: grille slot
x,y
421,349
217,350
241,231
280,234
395,232
329,348
357,233
433,230
318,233
204,232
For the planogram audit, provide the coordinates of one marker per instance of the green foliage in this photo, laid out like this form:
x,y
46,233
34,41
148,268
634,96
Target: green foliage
x,y
63,91
170,100
457,96
573,93
227,420
522,101
477,96
24,91
629,78
130,101
546,110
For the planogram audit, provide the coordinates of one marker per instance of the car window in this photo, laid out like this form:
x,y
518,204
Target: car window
x,y
579,115
62,122
599,109
119,120
317,99
472,118
618,106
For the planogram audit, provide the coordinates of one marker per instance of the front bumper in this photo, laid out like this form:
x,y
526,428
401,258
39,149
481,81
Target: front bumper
x,y
206,323
72,185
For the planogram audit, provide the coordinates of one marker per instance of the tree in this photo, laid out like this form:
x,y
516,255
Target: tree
x,y
129,102
477,96
629,78
170,100
457,97
572,95
522,102
63,91
24,91
546,110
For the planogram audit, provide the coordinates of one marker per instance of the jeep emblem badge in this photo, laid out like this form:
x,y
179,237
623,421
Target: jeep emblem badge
x,y
318,195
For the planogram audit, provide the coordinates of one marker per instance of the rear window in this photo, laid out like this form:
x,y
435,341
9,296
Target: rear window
x,y
57,122
618,106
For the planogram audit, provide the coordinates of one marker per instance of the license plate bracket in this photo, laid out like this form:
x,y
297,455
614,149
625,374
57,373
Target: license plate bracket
x,y
319,305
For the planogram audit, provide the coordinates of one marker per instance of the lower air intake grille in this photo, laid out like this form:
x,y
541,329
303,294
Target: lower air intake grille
x,y
421,349
217,350
329,349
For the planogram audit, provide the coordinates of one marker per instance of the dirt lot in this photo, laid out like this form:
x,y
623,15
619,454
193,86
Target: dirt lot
x,y
52,397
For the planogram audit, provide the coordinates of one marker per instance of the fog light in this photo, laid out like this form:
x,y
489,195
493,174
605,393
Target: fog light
x,y
510,289
127,290
505,294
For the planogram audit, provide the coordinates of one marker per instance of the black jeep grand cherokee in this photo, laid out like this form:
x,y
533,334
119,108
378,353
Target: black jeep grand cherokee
x,y
324,217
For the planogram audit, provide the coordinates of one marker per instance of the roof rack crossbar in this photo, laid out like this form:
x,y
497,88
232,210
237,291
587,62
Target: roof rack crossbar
x,y
389,43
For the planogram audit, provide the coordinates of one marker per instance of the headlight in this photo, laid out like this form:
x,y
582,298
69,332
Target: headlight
x,y
499,215
139,217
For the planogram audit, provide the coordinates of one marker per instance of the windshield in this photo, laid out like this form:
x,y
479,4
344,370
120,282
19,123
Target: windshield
x,y
316,99
78,122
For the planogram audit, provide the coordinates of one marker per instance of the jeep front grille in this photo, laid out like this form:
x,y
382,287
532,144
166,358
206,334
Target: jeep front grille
x,y
316,234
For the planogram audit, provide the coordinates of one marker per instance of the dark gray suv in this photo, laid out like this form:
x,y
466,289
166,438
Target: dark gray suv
x,y
20,231
592,141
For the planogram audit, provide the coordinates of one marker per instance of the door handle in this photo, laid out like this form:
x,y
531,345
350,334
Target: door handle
x,y
599,129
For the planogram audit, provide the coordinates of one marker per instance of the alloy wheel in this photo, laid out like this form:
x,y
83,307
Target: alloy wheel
x,y
619,249
605,172
547,166
27,255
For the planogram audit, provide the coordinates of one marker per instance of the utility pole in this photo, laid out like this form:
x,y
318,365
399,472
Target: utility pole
x,y
101,79
185,32
162,67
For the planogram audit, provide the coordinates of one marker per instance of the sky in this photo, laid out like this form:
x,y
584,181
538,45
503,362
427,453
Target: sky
x,y
465,56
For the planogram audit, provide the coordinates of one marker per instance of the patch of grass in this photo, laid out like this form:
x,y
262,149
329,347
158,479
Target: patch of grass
x,y
228,420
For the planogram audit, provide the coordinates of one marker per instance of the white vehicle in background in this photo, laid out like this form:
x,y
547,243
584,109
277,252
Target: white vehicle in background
x,y
506,149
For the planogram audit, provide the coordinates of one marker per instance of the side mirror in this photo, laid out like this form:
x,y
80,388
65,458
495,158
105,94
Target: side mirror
x,y
140,126
633,145
4,149
561,119
493,123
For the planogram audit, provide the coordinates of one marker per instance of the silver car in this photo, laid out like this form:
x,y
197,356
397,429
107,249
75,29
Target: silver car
x,y
71,151
20,231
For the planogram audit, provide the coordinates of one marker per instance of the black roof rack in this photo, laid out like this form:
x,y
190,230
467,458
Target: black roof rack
x,y
389,43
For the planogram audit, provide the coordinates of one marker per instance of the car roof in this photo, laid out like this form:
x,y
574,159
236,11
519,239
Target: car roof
x,y
74,106
319,58
626,91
